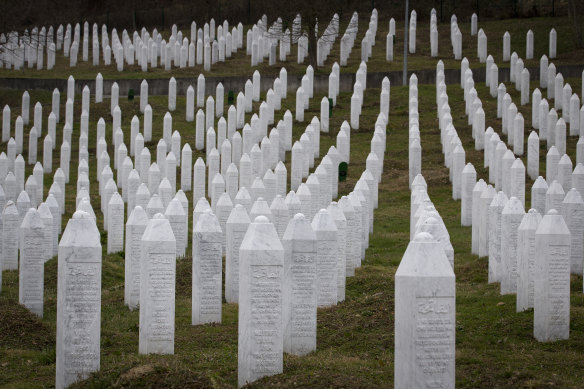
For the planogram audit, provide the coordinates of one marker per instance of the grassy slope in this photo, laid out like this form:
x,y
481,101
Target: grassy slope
x,y
495,346
421,60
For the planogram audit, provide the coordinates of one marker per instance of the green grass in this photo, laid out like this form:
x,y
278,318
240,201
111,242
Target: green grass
x,y
567,52
495,347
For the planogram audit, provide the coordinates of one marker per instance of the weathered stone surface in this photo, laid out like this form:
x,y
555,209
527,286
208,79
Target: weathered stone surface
x,y
299,299
32,259
327,258
260,333
424,294
551,310
157,287
207,270
115,231
526,259
135,228
78,301
495,209
235,230
573,214
511,217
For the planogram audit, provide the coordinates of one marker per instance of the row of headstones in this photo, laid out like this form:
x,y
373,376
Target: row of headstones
x,y
30,238
496,218
325,43
225,176
315,246
262,41
348,39
279,213
562,94
12,183
528,254
357,97
142,48
361,187
553,130
31,197
85,118
421,206
205,53
109,187
153,171
368,40
414,144
146,50
425,303
117,118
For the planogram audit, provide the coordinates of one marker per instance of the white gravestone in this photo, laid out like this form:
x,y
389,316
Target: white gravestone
x,y
551,305
485,200
468,181
135,228
511,217
115,230
538,192
78,301
157,287
48,231
526,259
207,275
573,213
327,258
177,217
235,230
32,255
260,333
10,227
425,309
299,300
554,197
495,209
533,155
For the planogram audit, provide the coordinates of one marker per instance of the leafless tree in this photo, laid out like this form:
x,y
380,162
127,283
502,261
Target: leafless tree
x,y
314,16
575,11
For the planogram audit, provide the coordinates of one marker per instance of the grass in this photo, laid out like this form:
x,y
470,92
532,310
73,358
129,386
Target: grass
x,y
567,53
495,347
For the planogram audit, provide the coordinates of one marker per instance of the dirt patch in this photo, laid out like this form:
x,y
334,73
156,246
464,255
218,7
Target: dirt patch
x,y
136,372
21,329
